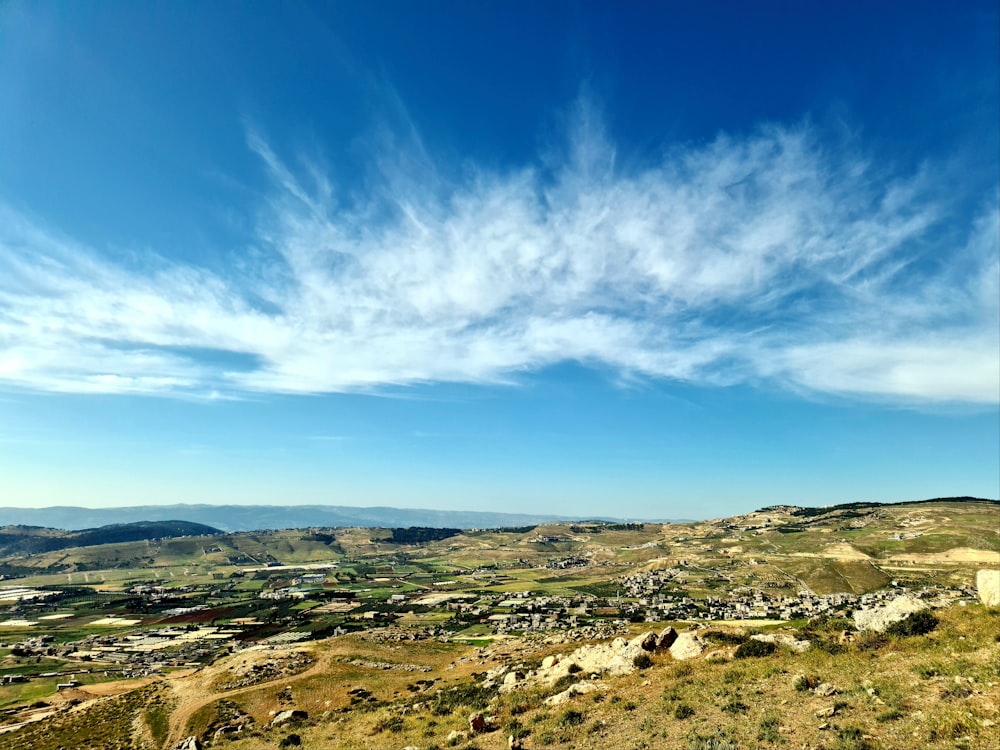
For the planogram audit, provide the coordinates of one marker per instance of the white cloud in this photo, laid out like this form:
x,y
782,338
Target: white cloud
x,y
763,257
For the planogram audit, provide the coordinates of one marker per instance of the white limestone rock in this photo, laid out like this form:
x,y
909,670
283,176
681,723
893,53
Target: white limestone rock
x,y
988,585
687,646
880,618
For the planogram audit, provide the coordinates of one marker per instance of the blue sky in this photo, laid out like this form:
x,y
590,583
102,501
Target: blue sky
x,y
671,260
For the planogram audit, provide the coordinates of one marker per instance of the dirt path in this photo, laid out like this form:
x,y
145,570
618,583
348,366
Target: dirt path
x,y
192,695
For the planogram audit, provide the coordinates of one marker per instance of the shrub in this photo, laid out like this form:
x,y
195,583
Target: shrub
x,y
574,668
517,730
735,706
768,731
917,623
683,711
717,741
725,636
292,740
807,682
891,715
642,661
752,649
852,738
733,676
571,718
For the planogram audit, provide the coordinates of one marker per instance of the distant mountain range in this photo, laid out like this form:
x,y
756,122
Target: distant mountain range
x,y
254,517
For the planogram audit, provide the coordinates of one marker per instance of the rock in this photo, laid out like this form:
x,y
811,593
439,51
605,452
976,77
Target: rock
x,y
720,654
511,678
549,661
825,689
283,717
189,743
477,722
826,713
783,639
580,688
224,730
988,585
646,641
687,646
667,637
455,736
880,618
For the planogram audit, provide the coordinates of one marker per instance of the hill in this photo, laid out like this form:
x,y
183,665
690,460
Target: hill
x,y
27,540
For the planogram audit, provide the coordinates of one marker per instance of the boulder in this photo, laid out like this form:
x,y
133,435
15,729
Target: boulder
x,y
283,717
188,743
646,641
580,688
880,618
455,736
667,637
988,585
687,646
477,722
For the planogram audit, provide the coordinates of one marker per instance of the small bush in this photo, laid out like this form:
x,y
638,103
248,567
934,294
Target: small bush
x,y
918,623
768,730
683,711
292,740
752,649
392,724
852,738
717,741
869,640
807,682
725,636
571,718
574,668
891,715
517,730
733,676
735,706
642,661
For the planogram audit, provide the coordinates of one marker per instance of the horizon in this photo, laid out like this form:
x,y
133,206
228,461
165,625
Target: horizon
x,y
453,514
634,262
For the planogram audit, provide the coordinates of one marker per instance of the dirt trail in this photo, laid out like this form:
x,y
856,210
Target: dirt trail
x,y
192,694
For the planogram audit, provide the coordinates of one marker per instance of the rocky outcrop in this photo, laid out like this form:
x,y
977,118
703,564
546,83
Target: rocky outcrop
x,y
612,658
188,743
880,618
284,717
988,585
687,645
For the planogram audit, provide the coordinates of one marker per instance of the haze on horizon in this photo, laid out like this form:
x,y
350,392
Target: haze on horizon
x,y
531,258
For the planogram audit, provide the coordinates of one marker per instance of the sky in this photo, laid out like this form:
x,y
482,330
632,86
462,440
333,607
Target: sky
x,y
641,260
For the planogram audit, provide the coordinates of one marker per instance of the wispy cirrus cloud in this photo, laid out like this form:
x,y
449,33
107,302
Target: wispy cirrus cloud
x,y
772,256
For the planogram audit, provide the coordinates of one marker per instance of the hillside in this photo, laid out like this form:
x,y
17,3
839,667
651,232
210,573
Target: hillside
x,y
396,637
26,540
